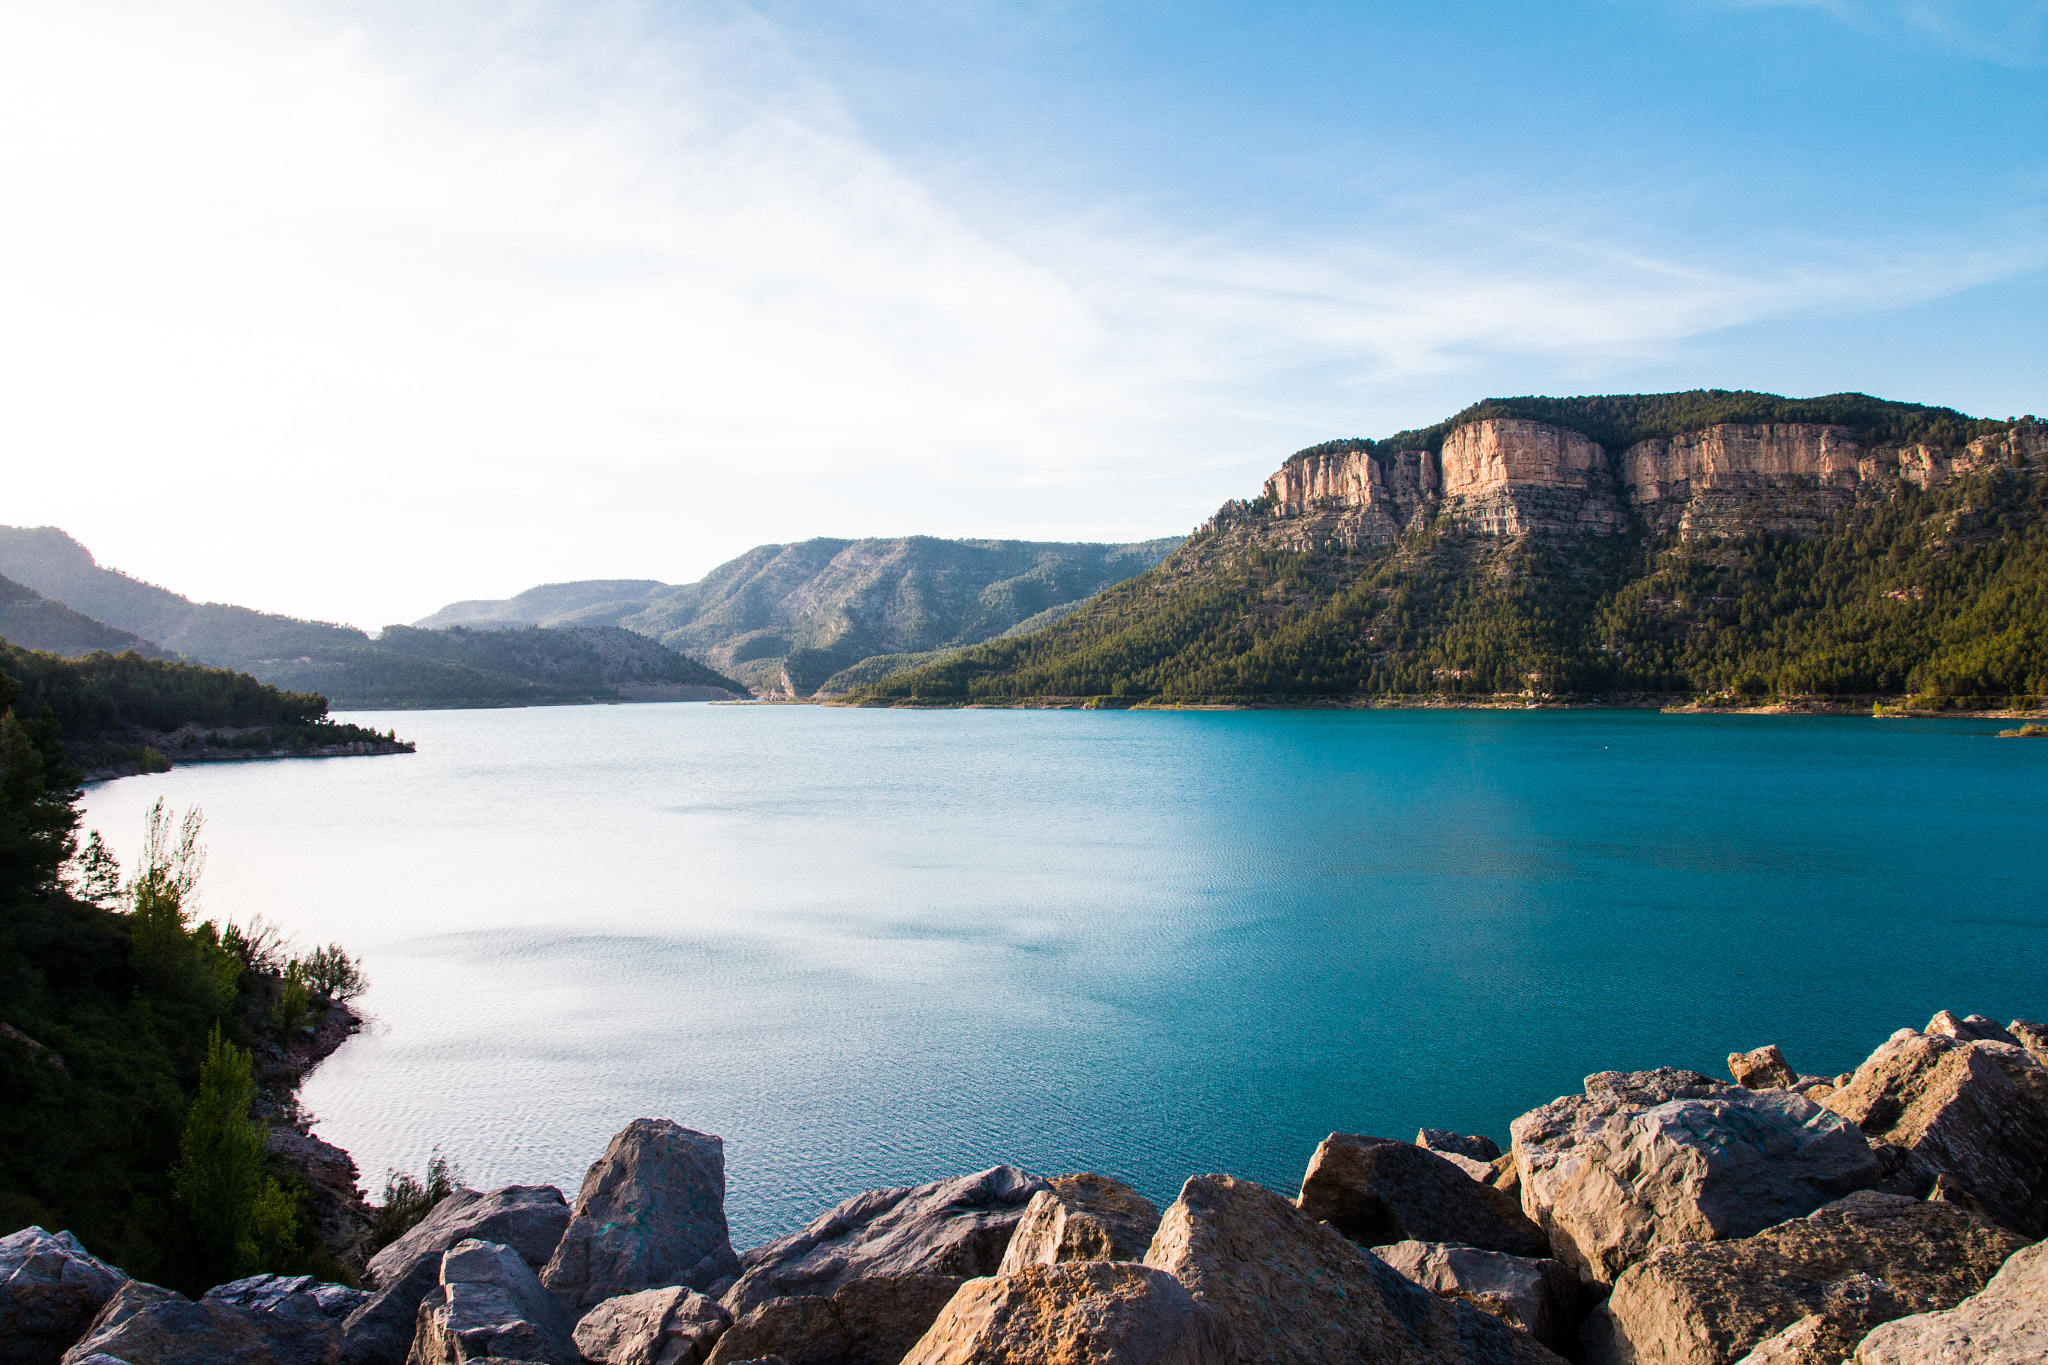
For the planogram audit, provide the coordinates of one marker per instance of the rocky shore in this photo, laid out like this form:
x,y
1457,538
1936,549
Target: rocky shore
x,y
1883,1216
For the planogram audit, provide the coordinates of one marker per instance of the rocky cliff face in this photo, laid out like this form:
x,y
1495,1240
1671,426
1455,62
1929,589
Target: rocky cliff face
x,y
1508,477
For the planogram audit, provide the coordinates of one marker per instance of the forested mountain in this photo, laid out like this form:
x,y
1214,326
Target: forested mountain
x,y
33,621
1712,544
788,618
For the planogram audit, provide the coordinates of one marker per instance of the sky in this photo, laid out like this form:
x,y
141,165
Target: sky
x,y
351,309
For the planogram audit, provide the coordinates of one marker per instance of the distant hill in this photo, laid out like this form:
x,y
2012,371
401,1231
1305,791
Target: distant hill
x,y
836,613
402,668
33,621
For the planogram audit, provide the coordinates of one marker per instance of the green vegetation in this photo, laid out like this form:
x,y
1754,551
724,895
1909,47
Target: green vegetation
x,y
408,1199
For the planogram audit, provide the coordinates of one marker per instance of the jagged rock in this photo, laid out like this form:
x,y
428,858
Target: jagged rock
x,y
1647,1159
50,1290
955,1227
1296,1292
1857,1262
2031,1036
1077,1313
1973,1028
651,1213
2005,1324
1975,1109
870,1321
1813,1340
1541,1296
1376,1191
490,1304
1443,1142
143,1324
528,1218
1763,1069
381,1329
298,1315
1081,1218
673,1326
1505,1175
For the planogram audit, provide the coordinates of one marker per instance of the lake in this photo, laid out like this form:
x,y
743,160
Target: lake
x,y
881,947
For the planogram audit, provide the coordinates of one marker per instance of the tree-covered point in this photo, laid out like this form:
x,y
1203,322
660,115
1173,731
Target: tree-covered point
x,y
1618,421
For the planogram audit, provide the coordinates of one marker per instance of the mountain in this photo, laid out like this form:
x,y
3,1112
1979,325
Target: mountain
x,y
830,614
401,668
33,621
1715,544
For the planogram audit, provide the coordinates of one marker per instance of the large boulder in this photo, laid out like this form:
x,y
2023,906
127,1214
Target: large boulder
x,y
2006,1324
528,1218
958,1227
1541,1296
1076,1313
381,1329
1763,1069
1443,1142
651,1214
50,1290
1082,1218
490,1305
1297,1292
673,1326
869,1321
1975,1109
1377,1190
1650,1158
298,1315
146,1325
1859,1261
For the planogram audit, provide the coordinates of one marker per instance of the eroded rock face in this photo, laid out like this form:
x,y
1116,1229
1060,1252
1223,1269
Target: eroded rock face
x,y
528,1218
1975,1110
673,1326
1785,476
1445,1143
871,1321
1650,1158
145,1325
959,1227
1541,1296
651,1214
1081,1218
50,1290
1863,1260
1076,1313
490,1305
1376,1191
2006,1324
1296,1292
1506,476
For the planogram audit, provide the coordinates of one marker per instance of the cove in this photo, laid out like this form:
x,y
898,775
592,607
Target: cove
x,y
881,947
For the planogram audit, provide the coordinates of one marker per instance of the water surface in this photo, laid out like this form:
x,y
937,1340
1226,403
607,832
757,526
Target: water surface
x,y
879,947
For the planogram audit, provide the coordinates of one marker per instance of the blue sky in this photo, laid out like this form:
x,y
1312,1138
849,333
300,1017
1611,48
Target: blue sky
x,y
349,309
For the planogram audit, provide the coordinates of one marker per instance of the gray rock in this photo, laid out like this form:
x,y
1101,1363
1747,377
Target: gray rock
x,y
50,1290
1377,1191
1974,1109
1076,1313
1443,1143
490,1304
380,1331
1296,1292
1081,1218
146,1325
1763,1069
870,1321
1541,1296
298,1315
673,1326
1648,1159
651,1214
528,1218
958,1227
1863,1260
2005,1324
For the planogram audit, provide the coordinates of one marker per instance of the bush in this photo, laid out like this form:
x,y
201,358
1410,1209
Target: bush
x,y
408,1200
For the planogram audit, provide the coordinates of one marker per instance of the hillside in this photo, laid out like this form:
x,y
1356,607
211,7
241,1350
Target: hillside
x,y
1842,547
33,621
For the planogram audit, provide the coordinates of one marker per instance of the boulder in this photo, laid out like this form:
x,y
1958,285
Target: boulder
x,y
1296,1292
145,1325
528,1218
2005,1324
673,1326
1857,1262
1648,1159
958,1227
2031,1036
1444,1143
1972,1028
1075,1313
50,1290
1081,1218
1376,1191
298,1315
490,1304
1974,1109
381,1329
1541,1296
870,1321
1506,1176
651,1214
1815,1339
1763,1069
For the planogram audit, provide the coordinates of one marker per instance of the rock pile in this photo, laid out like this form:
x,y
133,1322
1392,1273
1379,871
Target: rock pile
x,y
1660,1217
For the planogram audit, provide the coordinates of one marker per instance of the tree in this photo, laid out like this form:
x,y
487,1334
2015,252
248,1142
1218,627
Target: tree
x,y
219,1176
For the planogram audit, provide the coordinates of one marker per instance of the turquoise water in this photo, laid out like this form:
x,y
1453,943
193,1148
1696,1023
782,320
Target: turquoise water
x,y
877,947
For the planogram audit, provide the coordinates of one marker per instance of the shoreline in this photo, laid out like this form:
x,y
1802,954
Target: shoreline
x,y
1671,704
